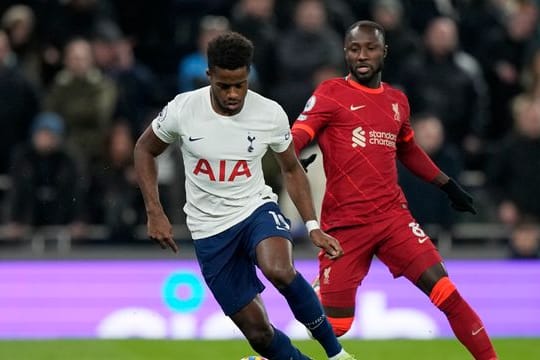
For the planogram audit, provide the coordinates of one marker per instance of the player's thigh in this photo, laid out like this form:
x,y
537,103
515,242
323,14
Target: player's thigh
x,y
340,278
227,269
406,249
268,239
274,258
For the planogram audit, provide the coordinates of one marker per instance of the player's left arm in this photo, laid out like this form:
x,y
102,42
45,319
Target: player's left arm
x,y
420,164
297,185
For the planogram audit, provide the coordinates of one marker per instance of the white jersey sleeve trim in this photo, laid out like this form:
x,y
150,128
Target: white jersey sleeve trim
x,y
166,125
281,138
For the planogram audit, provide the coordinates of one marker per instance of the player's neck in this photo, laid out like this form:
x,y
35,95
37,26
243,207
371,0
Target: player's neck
x,y
373,86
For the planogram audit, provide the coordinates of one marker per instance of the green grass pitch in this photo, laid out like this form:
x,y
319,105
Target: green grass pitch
x,y
508,349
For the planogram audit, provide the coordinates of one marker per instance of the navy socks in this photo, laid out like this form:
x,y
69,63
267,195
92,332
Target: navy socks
x,y
307,309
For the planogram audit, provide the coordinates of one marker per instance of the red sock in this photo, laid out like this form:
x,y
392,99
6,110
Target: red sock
x,y
465,323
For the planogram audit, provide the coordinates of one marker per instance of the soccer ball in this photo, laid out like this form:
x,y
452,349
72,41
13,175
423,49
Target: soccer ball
x,y
253,357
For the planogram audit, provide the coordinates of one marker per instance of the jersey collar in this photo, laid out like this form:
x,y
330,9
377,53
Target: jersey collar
x,y
358,86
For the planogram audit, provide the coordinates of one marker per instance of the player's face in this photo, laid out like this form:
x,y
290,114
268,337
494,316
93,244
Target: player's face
x,y
228,89
364,53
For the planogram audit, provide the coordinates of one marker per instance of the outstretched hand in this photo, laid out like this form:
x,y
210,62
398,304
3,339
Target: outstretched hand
x,y
160,230
329,244
307,161
460,199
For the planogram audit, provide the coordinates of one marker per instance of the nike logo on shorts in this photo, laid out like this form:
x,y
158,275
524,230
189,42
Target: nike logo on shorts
x,y
195,138
423,240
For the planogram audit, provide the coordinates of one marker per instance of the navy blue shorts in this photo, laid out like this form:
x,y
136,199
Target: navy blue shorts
x,y
228,259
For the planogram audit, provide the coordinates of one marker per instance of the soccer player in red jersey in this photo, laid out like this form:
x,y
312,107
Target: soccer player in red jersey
x,y
362,126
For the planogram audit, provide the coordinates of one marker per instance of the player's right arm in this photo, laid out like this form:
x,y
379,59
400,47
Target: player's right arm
x,y
317,112
297,185
147,148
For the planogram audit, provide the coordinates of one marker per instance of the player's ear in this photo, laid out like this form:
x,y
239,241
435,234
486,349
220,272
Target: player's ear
x,y
385,51
208,74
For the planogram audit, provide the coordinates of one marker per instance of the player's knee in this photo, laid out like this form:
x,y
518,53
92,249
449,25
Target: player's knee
x,y
340,325
280,277
441,291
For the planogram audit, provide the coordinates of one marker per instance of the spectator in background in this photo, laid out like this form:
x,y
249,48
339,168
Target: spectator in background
x,y
360,9
430,205
160,30
255,19
478,19
104,37
115,198
524,242
19,103
514,169
66,19
339,15
403,41
85,98
139,92
192,68
46,188
421,13
19,23
449,83
531,75
61,21
503,55
308,46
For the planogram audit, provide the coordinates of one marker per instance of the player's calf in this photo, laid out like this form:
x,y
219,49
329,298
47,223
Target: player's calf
x,y
465,323
340,325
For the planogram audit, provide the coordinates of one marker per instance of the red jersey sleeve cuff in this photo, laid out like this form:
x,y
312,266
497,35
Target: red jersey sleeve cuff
x,y
302,135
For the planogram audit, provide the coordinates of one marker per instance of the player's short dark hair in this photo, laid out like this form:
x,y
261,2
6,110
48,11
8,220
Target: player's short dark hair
x,y
366,24
230,51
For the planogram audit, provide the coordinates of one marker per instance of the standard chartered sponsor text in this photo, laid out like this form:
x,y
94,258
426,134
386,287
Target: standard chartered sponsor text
x,y
382,138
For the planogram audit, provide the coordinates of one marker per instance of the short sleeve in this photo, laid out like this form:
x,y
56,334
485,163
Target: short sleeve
x,y
316,114
166,124
281,136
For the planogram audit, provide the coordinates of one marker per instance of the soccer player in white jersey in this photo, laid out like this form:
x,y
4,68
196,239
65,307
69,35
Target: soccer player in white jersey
x,y
223,131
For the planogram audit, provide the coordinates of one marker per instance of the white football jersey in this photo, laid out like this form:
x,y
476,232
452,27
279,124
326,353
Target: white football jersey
x,y
222,156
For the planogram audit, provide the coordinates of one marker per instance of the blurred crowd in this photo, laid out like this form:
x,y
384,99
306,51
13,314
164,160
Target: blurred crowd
x,y
80,80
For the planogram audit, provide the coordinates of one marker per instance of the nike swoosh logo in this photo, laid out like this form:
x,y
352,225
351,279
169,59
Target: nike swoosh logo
x,y
354,108
477,331
423,240
195,138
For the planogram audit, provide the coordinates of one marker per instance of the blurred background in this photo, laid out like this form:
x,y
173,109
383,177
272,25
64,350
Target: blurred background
x,y
81,79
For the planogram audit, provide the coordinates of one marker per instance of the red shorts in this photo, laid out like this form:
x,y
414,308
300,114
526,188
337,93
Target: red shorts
x,y
398,242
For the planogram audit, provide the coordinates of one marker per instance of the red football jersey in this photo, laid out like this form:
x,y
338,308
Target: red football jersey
x,y
358,130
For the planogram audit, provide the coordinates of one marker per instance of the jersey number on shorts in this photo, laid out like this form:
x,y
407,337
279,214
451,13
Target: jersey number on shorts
x,y
281,223
417,230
